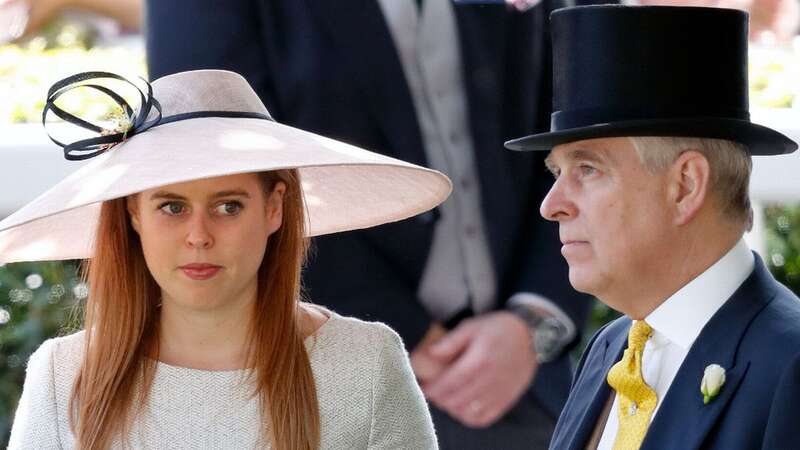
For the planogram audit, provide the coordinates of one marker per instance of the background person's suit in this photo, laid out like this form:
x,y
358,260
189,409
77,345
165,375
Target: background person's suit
x,y
331,67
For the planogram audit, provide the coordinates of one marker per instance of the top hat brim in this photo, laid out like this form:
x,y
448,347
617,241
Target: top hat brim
x,y
760,140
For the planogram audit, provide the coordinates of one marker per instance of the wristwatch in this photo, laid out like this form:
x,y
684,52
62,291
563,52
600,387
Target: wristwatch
x,y
548,334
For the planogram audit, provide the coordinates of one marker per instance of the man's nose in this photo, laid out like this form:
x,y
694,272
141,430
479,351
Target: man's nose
x,y
557,206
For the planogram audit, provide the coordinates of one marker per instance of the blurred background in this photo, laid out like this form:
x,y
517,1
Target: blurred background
x,y
44,41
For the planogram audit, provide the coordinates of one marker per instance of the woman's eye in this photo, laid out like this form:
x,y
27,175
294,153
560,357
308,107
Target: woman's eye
x,y
171,208
229,208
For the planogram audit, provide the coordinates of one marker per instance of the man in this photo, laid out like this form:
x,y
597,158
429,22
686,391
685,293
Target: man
x,y
651,145
437,83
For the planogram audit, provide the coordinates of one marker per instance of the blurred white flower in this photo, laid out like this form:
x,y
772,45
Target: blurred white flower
x,y
13,361
34,281
5,316
778,260
57,290
80,291
20,295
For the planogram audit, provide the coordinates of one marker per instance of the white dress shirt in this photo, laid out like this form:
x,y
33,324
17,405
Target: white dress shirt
x,y
678,321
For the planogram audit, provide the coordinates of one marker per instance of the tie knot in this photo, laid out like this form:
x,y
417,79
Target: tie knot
x,y
639,334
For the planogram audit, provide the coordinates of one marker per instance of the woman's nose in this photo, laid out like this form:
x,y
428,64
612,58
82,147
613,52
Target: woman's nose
x,y
199,235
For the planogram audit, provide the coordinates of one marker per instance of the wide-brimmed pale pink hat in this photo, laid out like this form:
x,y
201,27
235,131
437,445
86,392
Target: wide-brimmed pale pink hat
x,y
204,124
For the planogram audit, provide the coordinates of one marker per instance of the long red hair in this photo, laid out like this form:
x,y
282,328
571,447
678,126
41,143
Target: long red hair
x,y
121,322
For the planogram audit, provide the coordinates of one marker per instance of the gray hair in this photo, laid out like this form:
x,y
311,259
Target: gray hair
x,y
729,162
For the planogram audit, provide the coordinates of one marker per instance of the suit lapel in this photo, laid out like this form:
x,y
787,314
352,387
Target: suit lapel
x,y
682,419
591,392
360,30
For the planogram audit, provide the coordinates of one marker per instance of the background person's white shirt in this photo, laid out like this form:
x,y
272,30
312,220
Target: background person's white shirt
x,y
678,321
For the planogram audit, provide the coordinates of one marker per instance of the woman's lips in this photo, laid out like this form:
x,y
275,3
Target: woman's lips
x,y
200,271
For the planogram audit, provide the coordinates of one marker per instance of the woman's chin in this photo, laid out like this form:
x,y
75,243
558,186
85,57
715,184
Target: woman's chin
x,y
196,297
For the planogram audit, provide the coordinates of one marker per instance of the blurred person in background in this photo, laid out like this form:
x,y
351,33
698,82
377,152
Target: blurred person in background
x,y
477,290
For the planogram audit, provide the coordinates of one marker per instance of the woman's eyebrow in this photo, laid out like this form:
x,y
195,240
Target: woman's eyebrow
x,y
231,193
172,196
166,195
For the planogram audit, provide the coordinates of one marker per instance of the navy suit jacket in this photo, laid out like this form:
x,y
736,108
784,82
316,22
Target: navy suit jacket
x,y
784,421
331,67
753,336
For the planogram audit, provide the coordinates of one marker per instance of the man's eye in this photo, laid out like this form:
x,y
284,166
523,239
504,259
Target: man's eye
x,y
171,208
229,208
587,170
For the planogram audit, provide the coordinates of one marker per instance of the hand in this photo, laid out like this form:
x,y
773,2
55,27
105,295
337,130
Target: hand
x,y
490,364
425,367
523,5
127,13
39,13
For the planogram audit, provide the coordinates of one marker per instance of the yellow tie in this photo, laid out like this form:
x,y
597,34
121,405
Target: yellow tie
x,y
637,400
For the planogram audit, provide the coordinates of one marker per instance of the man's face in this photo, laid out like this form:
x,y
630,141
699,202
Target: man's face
x,y
613,215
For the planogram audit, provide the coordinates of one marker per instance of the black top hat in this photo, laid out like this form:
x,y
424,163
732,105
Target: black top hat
x,y
651,71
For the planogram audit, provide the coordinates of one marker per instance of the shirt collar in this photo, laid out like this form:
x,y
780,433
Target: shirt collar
x,y
681,318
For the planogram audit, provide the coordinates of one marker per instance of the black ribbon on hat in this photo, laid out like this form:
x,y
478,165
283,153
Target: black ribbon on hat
x,y
88,148
138,123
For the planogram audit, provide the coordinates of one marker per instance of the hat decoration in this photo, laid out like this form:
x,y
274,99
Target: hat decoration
x,y
131,123
135,121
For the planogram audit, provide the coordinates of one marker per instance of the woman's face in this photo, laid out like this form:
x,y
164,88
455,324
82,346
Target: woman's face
x,y
204,240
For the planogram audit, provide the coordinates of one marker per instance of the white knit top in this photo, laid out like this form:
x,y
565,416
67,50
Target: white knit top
x,y
367,393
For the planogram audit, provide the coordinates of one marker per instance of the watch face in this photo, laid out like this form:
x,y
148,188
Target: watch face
x,y
549,339
548,334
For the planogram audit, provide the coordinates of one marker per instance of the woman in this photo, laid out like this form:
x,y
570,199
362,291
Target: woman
x,y
194,335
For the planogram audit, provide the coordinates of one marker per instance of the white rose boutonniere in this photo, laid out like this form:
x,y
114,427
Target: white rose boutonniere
x,y
713,379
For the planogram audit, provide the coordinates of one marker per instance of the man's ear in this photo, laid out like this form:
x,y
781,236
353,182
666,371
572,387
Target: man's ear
x,y
132,204
274,206
689,179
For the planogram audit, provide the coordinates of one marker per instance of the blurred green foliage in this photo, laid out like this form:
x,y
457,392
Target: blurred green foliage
x,y
783,244
598,316
37,301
